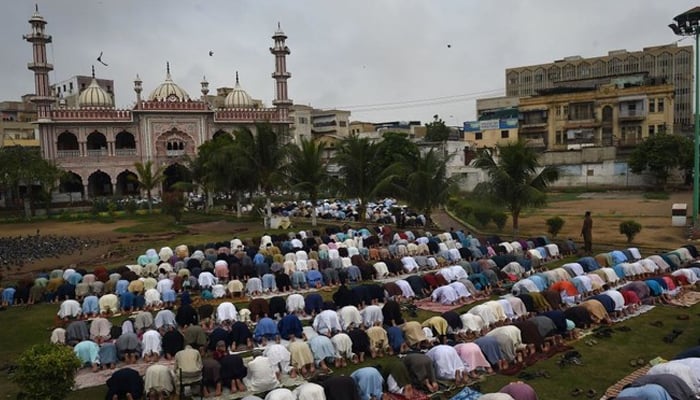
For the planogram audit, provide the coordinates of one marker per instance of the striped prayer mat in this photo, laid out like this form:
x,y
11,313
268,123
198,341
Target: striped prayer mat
x,y
615,389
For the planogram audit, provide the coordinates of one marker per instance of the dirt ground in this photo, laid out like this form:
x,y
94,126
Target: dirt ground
x,y
608,210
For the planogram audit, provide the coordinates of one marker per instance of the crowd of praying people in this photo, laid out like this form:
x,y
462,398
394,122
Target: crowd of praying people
x,y
180,308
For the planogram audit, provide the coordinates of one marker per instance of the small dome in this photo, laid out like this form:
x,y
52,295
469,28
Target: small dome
x,y
95,96
238,98
169,90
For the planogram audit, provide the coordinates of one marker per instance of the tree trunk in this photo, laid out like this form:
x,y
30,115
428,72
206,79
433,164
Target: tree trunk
x,y
516,226
268,212
313,216
150,201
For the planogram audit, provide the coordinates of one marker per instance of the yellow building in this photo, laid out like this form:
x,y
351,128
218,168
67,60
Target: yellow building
x,y
621,113
495,126
16,127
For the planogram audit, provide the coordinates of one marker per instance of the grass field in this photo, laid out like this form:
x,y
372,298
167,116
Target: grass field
x,y
605,363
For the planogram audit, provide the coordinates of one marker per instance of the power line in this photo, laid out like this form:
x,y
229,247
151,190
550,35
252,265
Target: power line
x,y
425,100
426,104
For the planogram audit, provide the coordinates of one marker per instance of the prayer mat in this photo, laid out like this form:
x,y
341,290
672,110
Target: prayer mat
x,y
615,389
85,378
428,305
687,299
466,394
417,395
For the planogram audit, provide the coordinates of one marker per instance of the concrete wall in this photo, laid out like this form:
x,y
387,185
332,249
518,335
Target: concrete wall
x,y
583,156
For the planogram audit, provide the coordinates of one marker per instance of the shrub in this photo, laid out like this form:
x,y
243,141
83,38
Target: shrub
x,y
173,205
499,218
554,225
130,206
482,216
46,371
630,229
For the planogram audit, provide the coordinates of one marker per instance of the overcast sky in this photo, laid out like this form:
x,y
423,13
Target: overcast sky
x,y
352,54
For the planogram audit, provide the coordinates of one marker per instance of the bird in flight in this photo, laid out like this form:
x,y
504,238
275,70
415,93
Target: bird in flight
x,y
211,53
100,60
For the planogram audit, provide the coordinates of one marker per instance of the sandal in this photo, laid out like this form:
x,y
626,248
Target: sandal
x,y
683,317
576,392
641,362
657,324
634,363
591,393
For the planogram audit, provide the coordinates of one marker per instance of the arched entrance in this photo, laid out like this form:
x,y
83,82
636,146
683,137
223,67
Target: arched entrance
x,y
96,144
99,184
176,173
71,182
220,133
127,184
124,144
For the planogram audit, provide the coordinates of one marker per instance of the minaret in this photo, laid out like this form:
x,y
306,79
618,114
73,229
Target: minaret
x,y
42,97
138,88
205,88
281,75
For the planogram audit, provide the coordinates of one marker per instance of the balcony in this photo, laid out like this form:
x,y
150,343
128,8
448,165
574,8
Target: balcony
x,y
124,152
97,153
175,153
631,115
629,142
68,153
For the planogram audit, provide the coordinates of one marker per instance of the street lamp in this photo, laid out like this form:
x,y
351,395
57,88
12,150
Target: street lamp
x,y
688,24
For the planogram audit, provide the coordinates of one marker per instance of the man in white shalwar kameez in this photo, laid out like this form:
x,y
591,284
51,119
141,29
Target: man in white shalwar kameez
x,y
70,309
261,375
310,391
448,364
409,264
350,317
165,319
159,378
280,394
406,290
327,323
371,315
279,356
151,345
295,303
445,295
226,311
343,348
153,298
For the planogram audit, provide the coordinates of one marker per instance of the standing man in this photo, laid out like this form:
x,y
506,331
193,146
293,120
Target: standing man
x,y
586,232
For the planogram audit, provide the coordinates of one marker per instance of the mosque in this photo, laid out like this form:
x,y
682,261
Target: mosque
x,y
99,144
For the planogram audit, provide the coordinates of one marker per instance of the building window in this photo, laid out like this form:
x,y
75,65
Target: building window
x,y
565,110
651,130
661,128
660,105
504,134
343,123
652,105
581,111
557,111
478,135
559,137
70,87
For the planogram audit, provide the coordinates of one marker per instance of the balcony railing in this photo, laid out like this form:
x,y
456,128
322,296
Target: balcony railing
x,y
629,142
97,153
124,152
632,114
68,153
174,153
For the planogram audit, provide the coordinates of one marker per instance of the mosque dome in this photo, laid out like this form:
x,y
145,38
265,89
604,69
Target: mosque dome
x,y
94,95
169,90
238,98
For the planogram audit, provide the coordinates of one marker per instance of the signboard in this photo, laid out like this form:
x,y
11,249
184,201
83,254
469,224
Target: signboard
x,y
491,124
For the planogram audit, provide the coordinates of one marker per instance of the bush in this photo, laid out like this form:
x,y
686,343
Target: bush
x,y
499,218
173,204
630,229
46,371
482,216
554,225
130,206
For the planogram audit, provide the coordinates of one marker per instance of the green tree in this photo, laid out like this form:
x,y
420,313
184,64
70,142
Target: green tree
x,y
46,371
421,180
554,225
173,204
654,155
516,179
149,178
25,167
306,171
630,229
436,131
360,170
395,147
264,155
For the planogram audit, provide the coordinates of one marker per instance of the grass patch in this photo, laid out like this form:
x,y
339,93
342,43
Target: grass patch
x,y
656,195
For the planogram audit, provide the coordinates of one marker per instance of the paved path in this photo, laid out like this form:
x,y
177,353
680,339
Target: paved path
x,y
443,220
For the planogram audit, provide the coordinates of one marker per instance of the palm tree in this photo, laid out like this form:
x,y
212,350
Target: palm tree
x,y
360,170
264,155
421,180
149,179
516,178
306,171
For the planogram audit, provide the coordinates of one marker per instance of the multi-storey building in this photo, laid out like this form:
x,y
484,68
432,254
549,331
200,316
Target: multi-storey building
x,y
671,63
620,113
99,144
